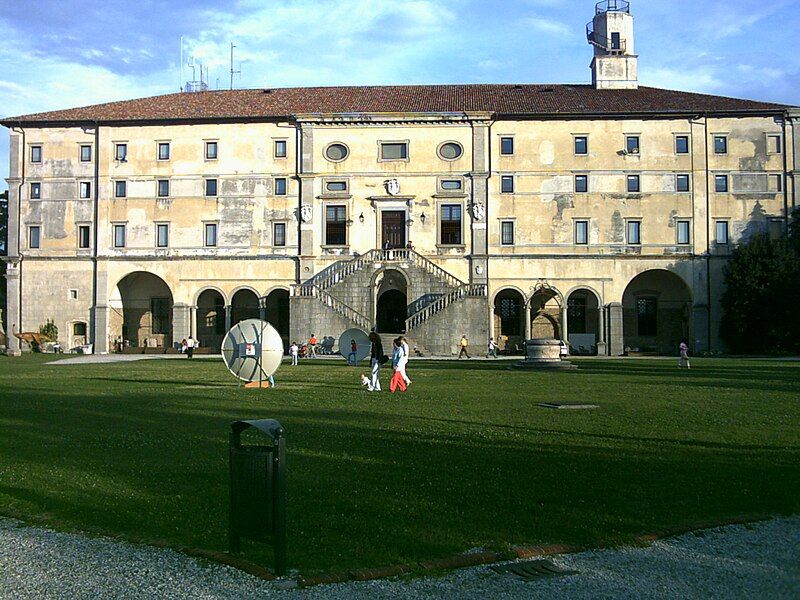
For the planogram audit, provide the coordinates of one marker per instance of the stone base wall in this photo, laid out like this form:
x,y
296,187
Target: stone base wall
x,y
442,332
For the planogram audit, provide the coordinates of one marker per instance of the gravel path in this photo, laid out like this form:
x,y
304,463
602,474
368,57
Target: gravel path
x,y
757,561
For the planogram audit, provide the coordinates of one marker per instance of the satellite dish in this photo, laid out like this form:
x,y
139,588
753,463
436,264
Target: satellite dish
x,y
362,342
252,350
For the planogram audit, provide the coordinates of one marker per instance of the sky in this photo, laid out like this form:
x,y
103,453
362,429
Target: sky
x,y
58,54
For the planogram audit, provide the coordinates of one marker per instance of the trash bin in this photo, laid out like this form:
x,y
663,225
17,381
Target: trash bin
x,y
258,489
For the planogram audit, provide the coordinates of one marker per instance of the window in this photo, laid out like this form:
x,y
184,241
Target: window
x,y
163,188
774,144
632,144
336,152
506,146
507,184
450,227
211,187
73,294
775,183
647,316
684,236
119,236
682,183
121,152
162,235
616,42
83,237
681,144
507,233
721,183
86,153
34,235
79,329
36,154
451,185
581,184
159,308
576,313
211,150
85,189
279,234
280,148
210,235
336,225
581,144
633,184
721,232
720,144
634,232
336,186
36,191
120,189
509,311
163,151
394,150
280,186
450,151
581,232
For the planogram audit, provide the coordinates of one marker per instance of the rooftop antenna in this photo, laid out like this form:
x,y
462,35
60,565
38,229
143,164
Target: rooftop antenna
x,y
239,72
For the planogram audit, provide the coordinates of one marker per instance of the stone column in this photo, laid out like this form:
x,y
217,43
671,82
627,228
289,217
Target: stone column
x,y
564,324
12,308
193,321
100,329
701,343
228,318
601,331
305,241
181,322
616,337
527,320
479,200
262,309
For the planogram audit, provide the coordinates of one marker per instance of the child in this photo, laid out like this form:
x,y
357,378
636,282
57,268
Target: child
x,y
491,349
684,360
351,358
294,350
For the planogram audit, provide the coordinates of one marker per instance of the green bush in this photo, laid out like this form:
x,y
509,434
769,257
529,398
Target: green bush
x,y
49,331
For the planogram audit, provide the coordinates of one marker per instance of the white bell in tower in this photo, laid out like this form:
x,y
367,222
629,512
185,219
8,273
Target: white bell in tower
x,y
614,66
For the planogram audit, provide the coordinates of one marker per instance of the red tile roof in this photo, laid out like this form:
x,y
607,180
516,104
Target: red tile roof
x,y
502,99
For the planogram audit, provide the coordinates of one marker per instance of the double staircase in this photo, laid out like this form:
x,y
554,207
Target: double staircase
x,y
347,282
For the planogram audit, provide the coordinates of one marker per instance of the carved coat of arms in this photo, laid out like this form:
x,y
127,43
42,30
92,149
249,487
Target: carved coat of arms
x,y
305,213
478,211
392,187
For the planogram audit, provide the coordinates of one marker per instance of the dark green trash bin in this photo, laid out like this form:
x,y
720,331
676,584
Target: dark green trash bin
x,y
258,489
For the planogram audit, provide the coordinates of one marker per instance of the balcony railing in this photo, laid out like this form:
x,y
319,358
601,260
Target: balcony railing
x,y
612,6
595,39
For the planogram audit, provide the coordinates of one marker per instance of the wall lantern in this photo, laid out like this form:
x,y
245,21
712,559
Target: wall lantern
x,y
422,218
361,218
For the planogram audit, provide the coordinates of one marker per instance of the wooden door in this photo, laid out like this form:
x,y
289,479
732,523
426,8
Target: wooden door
x,y
393,229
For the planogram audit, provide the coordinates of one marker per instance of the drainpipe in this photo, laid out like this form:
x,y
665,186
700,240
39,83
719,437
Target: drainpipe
x,y
785,177
19,229
96,232
708,234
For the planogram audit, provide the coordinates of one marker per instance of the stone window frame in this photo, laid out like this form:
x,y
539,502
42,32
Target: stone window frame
x,y
328,180
114,228
337,204
678,222
688,177
158,225
206,225
124,183
29,238
80,153
722,136
774,233
513,222
72,294
450,192
717,178
509,136
439,206
37,195
629,177
78,237
778,178
688,137
772,134
168,190
275,225
382,143
629,136
575,138
346,153
206,181
161,144
575,221
727,224
87,185
628,222
575,177
275,181
513,179
206,147
275,143
39,151
445,143
120,156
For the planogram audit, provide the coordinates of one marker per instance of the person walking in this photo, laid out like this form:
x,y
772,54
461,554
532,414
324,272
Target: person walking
x,y
397,377
375,357
312,346
684,360
491,348
190,344
351,358
401,365
294,351
463,345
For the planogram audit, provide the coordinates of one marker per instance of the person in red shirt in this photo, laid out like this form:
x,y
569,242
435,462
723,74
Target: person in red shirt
x,y
312,346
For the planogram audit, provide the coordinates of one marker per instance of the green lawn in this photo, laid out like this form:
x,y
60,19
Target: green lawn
x,y
465,459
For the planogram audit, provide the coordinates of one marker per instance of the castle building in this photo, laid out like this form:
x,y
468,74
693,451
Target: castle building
x,y
601,214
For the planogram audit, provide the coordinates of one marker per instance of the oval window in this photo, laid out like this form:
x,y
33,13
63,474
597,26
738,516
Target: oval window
x,y
450,150
336,152
337,186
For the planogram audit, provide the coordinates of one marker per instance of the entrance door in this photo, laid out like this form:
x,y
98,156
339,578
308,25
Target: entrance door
x,y
393,229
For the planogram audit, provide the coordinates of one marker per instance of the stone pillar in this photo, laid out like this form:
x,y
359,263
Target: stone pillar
x,y
700,343
181,322
564,324
479,200
12,308
193,321
307,211
100,329
228,318
527,320
601,332
616,339
262,309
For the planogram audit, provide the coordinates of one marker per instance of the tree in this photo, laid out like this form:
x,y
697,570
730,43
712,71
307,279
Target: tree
x,y
762,286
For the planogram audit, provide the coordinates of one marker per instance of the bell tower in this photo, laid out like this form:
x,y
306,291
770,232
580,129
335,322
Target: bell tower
x,y
614,66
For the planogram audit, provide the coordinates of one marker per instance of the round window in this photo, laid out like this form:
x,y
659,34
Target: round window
x,y
336,152
450,150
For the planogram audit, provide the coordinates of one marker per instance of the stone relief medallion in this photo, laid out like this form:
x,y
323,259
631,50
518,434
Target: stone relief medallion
x,y
392,186
478,211
305,213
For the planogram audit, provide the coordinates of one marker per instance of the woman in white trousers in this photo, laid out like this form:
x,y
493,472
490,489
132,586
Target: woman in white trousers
x,y
376,352
403,361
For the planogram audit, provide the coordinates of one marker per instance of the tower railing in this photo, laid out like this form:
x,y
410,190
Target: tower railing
x,y
612,6
601,41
